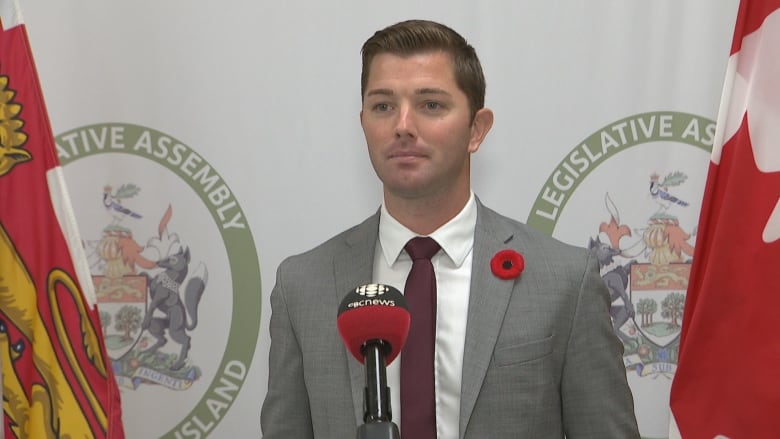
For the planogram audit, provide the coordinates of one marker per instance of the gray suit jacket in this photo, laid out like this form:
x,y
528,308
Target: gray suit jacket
x,y
541,359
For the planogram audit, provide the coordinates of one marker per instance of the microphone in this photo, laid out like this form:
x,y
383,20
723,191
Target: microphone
x,y
373,321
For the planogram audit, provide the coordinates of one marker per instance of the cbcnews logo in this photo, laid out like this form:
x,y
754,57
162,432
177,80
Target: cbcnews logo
x,y
371,292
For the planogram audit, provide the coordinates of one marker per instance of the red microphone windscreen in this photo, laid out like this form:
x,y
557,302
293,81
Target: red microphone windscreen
x,y
374,312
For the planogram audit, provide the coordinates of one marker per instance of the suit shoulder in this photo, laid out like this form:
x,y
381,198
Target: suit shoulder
x,y
529,236
335,244
540,250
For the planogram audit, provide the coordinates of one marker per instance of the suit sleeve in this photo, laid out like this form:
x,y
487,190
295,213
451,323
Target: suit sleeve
x,y
597,402
286,412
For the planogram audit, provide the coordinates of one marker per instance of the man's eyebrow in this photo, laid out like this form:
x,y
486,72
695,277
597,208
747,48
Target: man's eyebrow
x,y
429,91
380,92
419,91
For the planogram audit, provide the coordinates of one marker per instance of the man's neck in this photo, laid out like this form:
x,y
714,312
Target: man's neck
x,y
425,215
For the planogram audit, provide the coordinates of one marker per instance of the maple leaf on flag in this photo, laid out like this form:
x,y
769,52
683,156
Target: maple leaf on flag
x,y
755,102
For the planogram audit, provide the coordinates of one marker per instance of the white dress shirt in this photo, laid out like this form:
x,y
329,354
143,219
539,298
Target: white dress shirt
x,y
452,265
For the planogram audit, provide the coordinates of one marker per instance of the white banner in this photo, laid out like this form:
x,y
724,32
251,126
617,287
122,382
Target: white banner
x,y
219,138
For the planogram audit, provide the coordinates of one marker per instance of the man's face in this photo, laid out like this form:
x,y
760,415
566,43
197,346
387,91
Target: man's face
x,y
417,124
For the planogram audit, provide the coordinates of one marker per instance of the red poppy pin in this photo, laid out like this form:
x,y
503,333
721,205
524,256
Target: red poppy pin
x,y
507,264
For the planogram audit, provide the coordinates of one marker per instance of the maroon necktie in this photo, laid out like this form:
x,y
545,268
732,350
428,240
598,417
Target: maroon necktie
x,y
418,402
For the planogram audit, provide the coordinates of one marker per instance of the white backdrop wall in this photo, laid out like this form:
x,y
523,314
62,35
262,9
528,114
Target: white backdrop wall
x,y
262,98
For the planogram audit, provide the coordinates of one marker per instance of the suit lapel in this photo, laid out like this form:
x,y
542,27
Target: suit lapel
x,y
352,268
488,301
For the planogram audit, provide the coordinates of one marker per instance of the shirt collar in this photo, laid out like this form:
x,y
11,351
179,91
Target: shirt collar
x,y
456,237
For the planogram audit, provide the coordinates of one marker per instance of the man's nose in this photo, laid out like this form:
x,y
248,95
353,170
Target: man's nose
x,y
405,126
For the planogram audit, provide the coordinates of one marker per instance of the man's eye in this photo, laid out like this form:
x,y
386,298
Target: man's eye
x,y
381,107
432,105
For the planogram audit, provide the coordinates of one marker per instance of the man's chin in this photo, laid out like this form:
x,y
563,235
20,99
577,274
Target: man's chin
x,y
409,191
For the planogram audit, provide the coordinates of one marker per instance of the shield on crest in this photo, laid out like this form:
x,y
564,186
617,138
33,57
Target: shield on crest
x,y
122,305
658,295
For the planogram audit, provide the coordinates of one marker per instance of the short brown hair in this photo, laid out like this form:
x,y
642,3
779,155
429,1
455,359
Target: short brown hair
x,y
417,36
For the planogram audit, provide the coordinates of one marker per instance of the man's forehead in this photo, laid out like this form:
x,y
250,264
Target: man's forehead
x,y
405,56
436,66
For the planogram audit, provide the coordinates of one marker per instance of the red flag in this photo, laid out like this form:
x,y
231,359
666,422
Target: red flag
x,y
727,382
57,378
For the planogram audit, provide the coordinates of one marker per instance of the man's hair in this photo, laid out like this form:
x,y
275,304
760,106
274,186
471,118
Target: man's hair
x,y
420,36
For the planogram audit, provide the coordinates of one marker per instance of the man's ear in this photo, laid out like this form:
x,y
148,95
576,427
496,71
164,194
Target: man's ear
x,y
480,127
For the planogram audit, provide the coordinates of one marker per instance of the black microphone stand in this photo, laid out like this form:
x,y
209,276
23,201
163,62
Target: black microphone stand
x,y
377,417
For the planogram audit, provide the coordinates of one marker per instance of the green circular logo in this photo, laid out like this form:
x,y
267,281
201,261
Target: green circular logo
x,y
243,263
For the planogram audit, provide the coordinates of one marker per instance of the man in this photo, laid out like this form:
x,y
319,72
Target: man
x,y
526,354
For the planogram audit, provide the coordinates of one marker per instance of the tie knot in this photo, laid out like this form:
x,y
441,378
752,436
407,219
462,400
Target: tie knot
x,y
422,247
